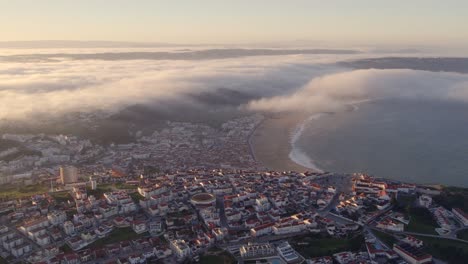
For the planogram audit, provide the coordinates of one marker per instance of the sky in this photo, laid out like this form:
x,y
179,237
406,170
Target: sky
x,y
357,22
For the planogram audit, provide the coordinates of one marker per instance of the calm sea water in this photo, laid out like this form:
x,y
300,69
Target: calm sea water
x,y
423,142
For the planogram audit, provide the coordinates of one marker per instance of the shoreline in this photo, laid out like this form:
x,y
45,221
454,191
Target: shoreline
x,y
298,155
249,140
270,142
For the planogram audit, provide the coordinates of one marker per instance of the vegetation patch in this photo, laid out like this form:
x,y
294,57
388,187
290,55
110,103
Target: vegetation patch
x,y
20,191
61,197
445,249
421,221
405,201
66,249
136,197
218,258
118,235
453,197
315,247
125,186
100,190
463,234
388,239
71,212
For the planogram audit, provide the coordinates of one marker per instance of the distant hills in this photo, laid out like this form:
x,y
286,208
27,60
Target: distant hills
x,y
434,64
181,55
54,44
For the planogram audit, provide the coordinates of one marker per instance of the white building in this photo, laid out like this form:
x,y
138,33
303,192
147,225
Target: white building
x,y
261,230
442,216
43,240
411,240
180,248
68,174
139,227
108,210
262,204
34,224
256,250
93,184
411,254
69,228
153,190
34,233
390,225
425,201
289,228
57,217
289,254
344,257
8,244
460,215
20,250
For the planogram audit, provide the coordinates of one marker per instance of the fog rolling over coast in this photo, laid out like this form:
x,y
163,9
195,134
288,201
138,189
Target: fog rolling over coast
x,y
111,96
401,124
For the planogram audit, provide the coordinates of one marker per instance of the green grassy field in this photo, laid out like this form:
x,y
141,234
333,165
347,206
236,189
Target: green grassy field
x,y
453,197
463,235
101,189
61,197
118,235
445,249
404,201
65,248
421,221
71,212
223,258
316,247
121,185
136,197
217,255
389,240
18,191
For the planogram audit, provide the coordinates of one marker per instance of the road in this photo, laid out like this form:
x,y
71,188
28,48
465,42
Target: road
x,y
434,236
333,203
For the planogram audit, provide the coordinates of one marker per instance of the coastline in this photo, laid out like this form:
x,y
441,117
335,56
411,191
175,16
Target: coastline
x,y
250,138
271,142
296,154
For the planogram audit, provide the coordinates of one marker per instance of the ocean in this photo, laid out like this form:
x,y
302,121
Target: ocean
x,y
415,141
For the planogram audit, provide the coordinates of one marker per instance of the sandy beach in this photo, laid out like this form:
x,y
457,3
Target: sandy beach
x,y
271,142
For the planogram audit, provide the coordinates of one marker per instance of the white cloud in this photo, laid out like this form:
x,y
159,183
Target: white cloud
x,y
333,91
284,83
88,85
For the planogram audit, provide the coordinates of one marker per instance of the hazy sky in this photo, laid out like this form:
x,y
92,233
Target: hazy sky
x,y
238,21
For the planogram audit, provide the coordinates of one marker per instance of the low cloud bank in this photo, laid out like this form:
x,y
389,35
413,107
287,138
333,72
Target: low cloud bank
x,y
307,83
55,88
203,54
333,92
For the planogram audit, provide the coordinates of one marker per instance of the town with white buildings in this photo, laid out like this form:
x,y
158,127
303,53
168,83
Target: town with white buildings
x,y
193,194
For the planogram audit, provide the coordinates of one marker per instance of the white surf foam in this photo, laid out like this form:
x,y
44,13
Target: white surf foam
x,y
297,155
